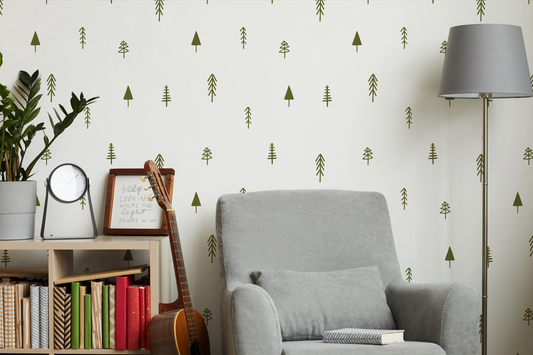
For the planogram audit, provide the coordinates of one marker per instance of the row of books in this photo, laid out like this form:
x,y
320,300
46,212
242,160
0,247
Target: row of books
x,y
86,315
101,315
19,306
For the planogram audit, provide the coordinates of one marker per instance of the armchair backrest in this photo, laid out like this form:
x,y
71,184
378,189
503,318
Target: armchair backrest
x,y
304,230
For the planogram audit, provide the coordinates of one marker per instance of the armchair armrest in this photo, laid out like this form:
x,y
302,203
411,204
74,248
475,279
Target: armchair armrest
x,y
443,313
249,315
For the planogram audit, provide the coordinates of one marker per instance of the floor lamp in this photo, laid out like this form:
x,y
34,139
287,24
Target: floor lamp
x,y
485,61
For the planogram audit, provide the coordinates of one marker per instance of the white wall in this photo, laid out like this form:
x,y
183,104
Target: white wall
x,y
321,53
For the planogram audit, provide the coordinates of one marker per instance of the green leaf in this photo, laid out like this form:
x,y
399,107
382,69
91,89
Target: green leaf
x,y
1,60
25,78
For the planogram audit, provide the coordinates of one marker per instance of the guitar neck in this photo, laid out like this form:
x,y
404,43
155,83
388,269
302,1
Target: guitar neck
x,y
181,276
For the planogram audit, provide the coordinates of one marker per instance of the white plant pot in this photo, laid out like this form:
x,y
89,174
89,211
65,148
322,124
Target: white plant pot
x,y
17,209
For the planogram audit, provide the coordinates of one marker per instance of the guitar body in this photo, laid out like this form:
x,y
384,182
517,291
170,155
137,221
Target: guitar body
x,y
168,334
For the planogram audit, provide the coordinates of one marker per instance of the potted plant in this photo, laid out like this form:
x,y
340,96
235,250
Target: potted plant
x,y
18,110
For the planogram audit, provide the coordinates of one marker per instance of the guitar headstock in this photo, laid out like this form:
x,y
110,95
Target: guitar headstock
x,y
157,185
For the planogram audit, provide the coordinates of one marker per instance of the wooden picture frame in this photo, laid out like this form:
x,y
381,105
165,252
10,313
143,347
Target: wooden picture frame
x,y
128,210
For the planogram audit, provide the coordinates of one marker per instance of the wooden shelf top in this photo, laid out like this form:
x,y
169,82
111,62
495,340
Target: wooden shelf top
x,y
100,243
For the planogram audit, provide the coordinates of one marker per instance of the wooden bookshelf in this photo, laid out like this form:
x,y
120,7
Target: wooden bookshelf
x,y
60,265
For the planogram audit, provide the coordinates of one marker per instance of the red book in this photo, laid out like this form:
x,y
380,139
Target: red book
x,y
147,313
142,310
133,317
121,323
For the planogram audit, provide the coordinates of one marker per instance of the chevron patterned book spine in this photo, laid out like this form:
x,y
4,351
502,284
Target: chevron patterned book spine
x,y
68,321
60,295
26,331
363,336
43,316
112,316
35,316
96,316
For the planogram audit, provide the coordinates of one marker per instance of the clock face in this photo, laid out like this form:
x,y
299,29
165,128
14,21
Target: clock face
x,y
68,183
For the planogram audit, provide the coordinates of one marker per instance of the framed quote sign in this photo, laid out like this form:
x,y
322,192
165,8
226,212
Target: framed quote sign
x,y
128,209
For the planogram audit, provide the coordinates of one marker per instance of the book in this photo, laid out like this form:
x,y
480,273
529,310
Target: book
x,y
96,314
105,316
112,314
9,316
122,283
83,292
75,311
68,321
22,289
133,317
43,316
142,316
60,294
26,303
147,313
2,314
35,316
363,336
88,322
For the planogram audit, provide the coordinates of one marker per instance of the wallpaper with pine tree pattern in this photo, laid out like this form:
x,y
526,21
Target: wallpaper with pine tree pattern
x,y
242,96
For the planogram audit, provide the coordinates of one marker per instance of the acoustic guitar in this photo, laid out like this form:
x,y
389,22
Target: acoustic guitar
x,y
178,328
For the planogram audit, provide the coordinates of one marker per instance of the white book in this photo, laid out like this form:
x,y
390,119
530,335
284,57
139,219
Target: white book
x,y
363,336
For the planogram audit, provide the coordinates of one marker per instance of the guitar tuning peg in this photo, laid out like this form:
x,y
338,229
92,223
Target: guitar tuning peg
x,y
150,198
143,178
149,187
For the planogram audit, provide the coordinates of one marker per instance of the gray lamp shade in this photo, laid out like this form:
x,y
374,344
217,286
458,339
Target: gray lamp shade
x,y
485,59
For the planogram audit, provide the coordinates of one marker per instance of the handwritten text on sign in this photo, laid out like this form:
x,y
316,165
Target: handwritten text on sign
x,y
131,207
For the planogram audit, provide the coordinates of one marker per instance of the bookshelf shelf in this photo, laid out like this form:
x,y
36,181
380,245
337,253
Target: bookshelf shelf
x,y
60,264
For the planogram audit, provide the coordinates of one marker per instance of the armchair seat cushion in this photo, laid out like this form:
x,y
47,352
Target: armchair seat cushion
x,y
310,303
317,347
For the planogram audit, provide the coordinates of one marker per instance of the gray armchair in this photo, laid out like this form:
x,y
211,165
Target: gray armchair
x,y
298,262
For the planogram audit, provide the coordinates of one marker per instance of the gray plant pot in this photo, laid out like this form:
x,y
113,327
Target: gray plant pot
x,y
17,209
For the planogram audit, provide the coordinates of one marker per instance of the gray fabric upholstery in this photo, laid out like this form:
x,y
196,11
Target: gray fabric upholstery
x,y
327,230
310,303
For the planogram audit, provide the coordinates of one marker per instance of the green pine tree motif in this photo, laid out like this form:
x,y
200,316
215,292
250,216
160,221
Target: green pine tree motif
x,y
357,42
51,85
444,47
159,6
481,9
489,256
480,166
367,155
449,99
35,41
1,6
432,153
403,192
531,79
206,155
528,155
445,209
272,154
531,246
449,257
166,96
289,96
373,86
517,202
128,96
196,42
87,270
528,316
196,202
284,49
207,316
212,247
128,257
327,96
159,161
320,166
87,116
248,117
409,118
123,48
83,37
320,4
243,37
403,31
212,86
46,156
111,153
409,274
242,191
5,257
83,202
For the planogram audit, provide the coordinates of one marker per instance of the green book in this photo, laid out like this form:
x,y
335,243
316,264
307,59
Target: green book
x,y
88,323
75,315
105,316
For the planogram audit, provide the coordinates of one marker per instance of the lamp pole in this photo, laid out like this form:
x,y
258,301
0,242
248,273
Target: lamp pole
x,y
485,222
